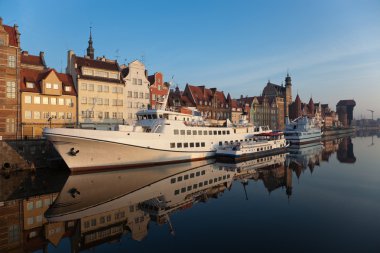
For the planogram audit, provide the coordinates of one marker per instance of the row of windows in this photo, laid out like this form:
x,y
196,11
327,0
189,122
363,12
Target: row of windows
x,y
11,61
136,81
201,184
90,72
138,94
100,88
187,144
38,204
200,132
32,220
11,89
101,101
103,219
135,105
46,100
101,115
47,115
187,176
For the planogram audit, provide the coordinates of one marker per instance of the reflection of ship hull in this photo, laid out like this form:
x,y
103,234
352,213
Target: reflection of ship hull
x,y
302,140
88,194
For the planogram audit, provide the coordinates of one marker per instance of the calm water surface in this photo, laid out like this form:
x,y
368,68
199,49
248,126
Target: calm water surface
x,y
318,198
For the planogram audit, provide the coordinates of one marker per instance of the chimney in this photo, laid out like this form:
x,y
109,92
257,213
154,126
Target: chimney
x,y
42,57
25,53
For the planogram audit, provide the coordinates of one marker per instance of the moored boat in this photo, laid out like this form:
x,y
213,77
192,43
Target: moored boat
x,y
303,130
263,144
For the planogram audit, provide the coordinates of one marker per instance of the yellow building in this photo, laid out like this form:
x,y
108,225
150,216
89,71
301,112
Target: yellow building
x,y
48,99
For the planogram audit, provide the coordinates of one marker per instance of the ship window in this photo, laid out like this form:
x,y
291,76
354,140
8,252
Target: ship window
x,y
199,132
202,144
210,132
219,132
176,131
149,116
189,188
192,175
182,132
186,177
203,172
179,145
235,131
215,132
186,145
172,180
191,144
183,189
220,143
197,144
194,132
188,132
172,145
228,131
176,192
205,132
179,178
224,132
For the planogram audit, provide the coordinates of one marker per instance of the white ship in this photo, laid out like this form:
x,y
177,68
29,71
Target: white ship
x,y
158,137
262,144
303,130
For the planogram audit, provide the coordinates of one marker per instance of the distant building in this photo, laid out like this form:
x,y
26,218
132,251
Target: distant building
x,y
9,81
245,105
158,90
345,109
136,94
100,89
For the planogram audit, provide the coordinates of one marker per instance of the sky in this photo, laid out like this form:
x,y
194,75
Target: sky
x,y
330,48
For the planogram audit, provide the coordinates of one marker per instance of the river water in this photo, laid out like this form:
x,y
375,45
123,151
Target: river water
x,y
316,198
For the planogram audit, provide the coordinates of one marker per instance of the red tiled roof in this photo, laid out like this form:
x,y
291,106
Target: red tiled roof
x,y
32,60
12,35
35,76
98,64
200,93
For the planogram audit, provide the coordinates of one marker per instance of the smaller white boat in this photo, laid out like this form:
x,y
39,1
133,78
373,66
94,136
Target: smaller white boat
x,y
303,130
264,144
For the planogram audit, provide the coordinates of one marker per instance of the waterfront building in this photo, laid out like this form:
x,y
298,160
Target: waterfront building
x,y
245,105
345,109
9,81
48,99
136,94
236,111
100,89
177,100
158,90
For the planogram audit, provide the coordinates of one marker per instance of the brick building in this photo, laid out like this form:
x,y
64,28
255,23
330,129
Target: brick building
x,y
158,90
345,109
9,81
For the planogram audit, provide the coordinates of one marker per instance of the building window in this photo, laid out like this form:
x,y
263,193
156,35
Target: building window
x,y
146,95
68,102
129,105
113,75
141,94
114,115
67,88
106,88
29,85
100,101
100,88
61,115
10,125
84,100
135,94
45,100
83,86
28,114
106,101
46,115
129,94
100,115
69,115
119,115
11,90
28,99
29,206
134,81
11,61
120,90
13,232
53,101
55,86
30,220
36,115
61,101
53,115
87,72
37,100
90,87
139,81
1,42
106,115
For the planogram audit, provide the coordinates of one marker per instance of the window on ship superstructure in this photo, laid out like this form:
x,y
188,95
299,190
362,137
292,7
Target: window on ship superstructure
x,y
215,132
172,145
205,132
186,145
182,132
199,132
191,144
202,144
176,131
188,132
194,132
197,144
179,145
219,132
210,132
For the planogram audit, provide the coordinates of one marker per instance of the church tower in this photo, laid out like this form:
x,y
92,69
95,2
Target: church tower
x,y
288,87
90,49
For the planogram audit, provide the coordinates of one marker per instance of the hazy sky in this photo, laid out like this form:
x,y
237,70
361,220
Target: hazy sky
x,y
330,48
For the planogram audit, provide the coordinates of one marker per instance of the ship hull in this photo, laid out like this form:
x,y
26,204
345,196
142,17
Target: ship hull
x,y
96,154
234,157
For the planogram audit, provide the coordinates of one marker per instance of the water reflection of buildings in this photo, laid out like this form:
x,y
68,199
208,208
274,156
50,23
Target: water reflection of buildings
x,y
93,209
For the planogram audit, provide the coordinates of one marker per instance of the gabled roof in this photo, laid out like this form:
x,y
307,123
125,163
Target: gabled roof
x,y
36,76
200,93
36,60
97,64
12,35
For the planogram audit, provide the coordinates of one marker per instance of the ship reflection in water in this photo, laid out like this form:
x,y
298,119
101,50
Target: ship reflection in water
x,y
91,209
